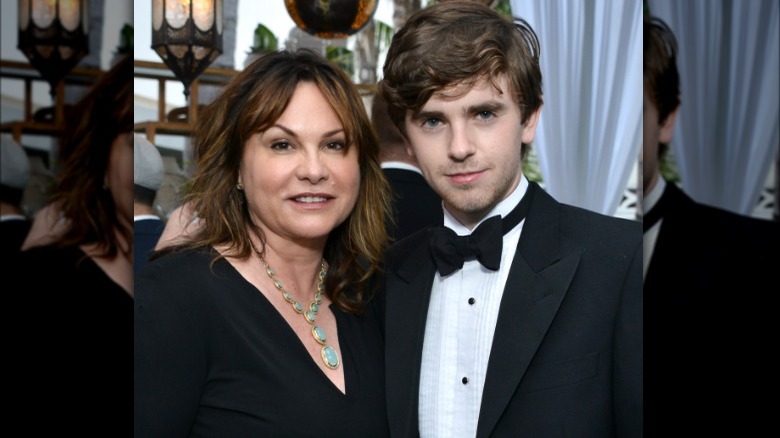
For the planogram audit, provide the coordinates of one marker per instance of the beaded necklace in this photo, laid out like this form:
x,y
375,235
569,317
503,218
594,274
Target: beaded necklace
x,y
328,353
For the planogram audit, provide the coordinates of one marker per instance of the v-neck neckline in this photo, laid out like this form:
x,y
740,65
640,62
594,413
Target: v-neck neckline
x,y
347,371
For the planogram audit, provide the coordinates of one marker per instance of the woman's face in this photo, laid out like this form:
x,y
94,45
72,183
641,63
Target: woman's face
x,y
119,176
299,179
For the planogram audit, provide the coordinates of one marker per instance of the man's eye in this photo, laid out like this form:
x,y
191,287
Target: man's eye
x,y
431,122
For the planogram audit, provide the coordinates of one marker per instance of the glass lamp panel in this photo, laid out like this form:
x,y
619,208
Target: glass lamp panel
x,y
85,16
65,52
43,12
178,50
200,52
44,51
162,52
157,14
24,14
203,14
70,14
177,12
219,17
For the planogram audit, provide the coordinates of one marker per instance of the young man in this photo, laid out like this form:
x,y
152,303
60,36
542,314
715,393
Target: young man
x,y
14,177
707,271
541,336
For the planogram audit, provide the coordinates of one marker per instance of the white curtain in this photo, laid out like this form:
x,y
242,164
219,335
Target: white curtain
x,y
728,128
590,128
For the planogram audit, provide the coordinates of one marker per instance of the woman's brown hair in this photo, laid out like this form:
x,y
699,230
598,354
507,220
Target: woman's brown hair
x,y
91,126
252,101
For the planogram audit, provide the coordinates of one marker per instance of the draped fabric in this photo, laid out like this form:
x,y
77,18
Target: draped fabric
x,y
728,128
590,129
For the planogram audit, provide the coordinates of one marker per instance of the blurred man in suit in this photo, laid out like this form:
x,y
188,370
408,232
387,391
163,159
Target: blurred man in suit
x,y
415,204
14,175
148,177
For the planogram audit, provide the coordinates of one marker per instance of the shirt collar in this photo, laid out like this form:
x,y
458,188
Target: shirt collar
x,y
502,208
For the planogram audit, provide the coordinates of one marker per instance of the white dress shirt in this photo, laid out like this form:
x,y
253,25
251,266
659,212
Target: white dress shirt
x,y
400,165
459,334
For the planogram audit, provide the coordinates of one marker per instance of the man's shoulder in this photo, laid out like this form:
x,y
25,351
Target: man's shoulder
x,y
599,222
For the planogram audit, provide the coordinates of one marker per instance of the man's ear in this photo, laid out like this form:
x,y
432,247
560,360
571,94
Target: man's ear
x,y
667,127
529,129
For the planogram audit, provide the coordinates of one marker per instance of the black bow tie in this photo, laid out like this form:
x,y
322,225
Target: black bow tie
x,y
484,244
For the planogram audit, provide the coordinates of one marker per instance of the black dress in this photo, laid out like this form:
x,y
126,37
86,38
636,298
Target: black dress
x,y
73,331
214,358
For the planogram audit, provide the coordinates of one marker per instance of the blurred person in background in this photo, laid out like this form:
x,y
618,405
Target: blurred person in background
x,y
14,176
147,178
75,298
415,204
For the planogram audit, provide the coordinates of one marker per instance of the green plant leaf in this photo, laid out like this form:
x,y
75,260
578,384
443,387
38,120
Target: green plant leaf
x,y
265,40
342,57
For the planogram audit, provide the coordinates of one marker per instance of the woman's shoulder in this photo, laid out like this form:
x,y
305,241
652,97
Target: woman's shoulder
x,y
51,256
183,275
181,262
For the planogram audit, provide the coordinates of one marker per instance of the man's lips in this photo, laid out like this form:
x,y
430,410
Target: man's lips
x,y
464,177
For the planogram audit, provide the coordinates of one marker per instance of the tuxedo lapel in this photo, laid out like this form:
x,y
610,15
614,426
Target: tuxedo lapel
x,y
537,283
409,285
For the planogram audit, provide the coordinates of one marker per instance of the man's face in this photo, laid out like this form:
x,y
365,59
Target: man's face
x,y
654,133
468,146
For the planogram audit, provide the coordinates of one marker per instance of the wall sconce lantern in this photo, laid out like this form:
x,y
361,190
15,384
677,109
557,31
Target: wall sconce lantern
x,y
331,18
53,36
187,34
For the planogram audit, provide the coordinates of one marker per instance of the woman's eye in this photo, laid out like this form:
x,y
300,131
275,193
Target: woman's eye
x,y
280,145
335,145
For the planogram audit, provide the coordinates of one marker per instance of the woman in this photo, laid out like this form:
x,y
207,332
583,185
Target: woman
x,y
75,308
256,323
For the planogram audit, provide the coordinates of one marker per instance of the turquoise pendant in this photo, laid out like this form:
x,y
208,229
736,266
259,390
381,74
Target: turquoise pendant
x,y
330,357
319,335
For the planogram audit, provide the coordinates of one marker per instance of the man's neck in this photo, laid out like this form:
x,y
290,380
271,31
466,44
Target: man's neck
x,y
6,208
140,209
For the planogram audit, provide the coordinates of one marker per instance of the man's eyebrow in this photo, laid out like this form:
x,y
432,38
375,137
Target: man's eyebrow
x,y
492,106
425,115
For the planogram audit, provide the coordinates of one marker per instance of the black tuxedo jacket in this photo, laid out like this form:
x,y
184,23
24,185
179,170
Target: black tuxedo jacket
x,y
415,204
567,353
709,293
